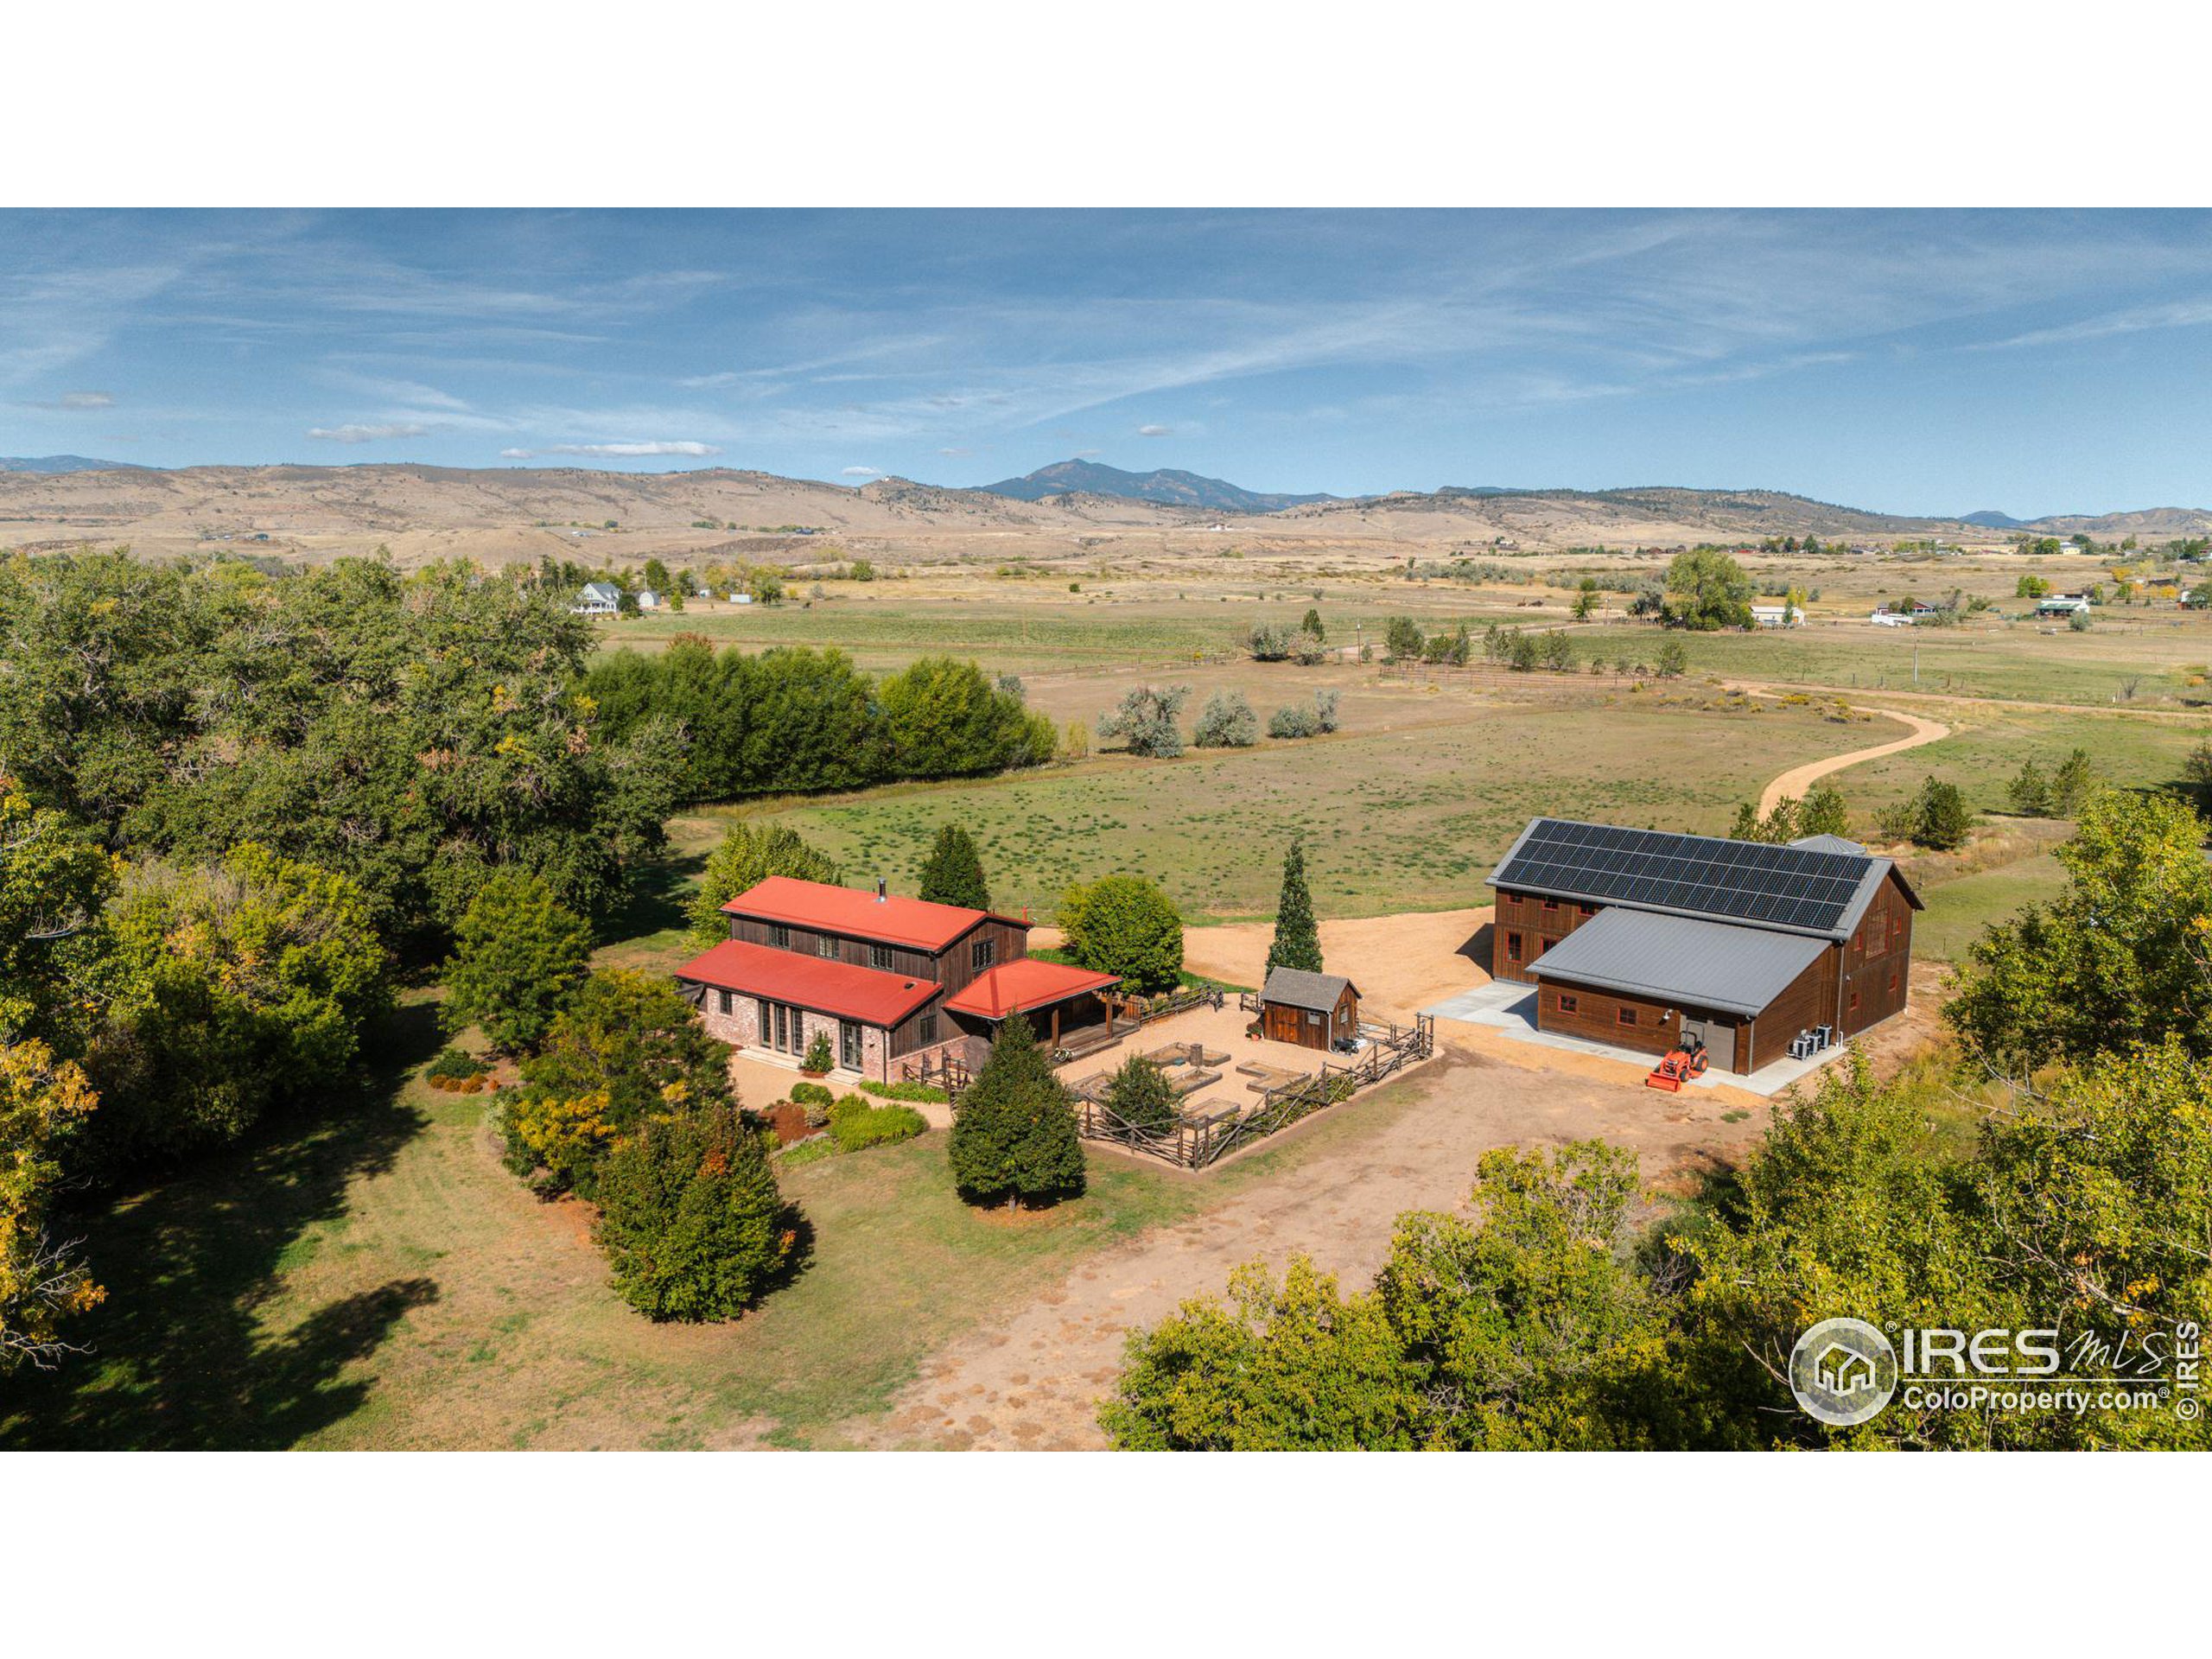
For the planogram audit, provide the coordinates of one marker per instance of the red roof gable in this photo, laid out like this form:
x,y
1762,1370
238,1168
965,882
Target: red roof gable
x,y
867,994
1018,986
914,923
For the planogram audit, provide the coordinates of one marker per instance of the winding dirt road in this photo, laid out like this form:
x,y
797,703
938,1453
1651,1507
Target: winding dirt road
x,y
1795,782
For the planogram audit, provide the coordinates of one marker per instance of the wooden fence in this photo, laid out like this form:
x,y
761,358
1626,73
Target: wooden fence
x,y
1196,1142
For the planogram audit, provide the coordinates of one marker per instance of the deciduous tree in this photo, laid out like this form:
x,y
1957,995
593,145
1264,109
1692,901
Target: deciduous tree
x,y
517,954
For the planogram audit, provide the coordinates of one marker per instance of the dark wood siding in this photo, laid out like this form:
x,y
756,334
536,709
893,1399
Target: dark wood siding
x,y
1877,962
1806,1001
953,970
1595,1017
1281,1023
1523,915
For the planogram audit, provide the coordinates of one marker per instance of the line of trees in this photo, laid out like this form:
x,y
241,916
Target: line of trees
x,y
792,720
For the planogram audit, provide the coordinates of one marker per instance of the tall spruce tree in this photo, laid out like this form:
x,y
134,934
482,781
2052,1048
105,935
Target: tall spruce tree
x,y
953,872
1298,940
1015,1140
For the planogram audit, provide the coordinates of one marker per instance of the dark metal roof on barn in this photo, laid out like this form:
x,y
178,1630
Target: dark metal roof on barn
x,y
1815,891
1296,989
1683,961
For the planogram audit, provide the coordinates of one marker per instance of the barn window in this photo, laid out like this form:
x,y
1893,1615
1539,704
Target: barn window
x,y
1312,1018
1897,924
1568,1004
878,956
1624,1016
1513,947
828,945
780,936
1551,904
981,953
1854,1002
1586,910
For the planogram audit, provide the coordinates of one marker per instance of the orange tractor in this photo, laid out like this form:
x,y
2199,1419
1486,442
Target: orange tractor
x,y
1679,1067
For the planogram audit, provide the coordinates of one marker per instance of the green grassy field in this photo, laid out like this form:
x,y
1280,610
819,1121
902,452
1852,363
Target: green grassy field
x,y
1988,746
1958,911
377,1281
1407,818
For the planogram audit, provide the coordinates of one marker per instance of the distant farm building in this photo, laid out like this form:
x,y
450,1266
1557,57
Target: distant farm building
x,y
1314,1010
599,599
2061,604
650,601
1657,942
1776,616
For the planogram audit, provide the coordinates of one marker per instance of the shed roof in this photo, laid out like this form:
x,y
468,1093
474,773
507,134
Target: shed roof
x,y
1296,989
915,923
1683,960
868,994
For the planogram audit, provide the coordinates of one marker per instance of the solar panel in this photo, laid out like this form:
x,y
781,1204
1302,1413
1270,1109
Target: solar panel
x,y
1788,886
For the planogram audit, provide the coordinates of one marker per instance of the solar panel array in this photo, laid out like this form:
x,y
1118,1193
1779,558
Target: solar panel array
x,y
1739,881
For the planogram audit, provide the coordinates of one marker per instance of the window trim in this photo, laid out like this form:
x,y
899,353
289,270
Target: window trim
x,y
780,936
1566,1003
1512,947
878,957
982,954
1624,1015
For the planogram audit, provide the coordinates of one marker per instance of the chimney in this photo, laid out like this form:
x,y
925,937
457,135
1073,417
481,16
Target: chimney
x,y
882,891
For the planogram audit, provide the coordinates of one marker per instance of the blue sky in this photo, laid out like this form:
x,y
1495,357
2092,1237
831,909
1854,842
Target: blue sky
x,y
1930,361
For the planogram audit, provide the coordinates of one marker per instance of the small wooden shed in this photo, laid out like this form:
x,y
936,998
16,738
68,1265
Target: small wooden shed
x,y
1312,1010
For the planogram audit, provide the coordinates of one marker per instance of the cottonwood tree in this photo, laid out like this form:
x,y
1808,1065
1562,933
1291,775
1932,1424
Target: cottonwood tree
x,y
1707,589
749,856
1125,925
517,954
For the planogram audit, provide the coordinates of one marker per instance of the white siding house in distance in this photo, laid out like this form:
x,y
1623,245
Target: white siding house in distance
x,y
1776,616
599,599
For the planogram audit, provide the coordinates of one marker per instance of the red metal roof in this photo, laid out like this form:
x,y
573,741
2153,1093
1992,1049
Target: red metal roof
x,y
1024,983
868,994
914,923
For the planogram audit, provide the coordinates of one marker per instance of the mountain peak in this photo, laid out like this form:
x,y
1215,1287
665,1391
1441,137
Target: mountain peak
x,y
1166,486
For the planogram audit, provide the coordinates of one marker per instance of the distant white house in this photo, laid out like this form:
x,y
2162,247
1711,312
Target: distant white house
x,y
1886,618
1777,616
739,597
649,600
2061,604
598,599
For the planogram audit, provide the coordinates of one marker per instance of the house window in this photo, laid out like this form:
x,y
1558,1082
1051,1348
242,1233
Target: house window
x,y
1513,947
982,954
848,1045
878,956
1568,1004
1854,1002
828,946
1624,1016
725,1003
926,1031
1586,911
1897,926
1551,904
780,936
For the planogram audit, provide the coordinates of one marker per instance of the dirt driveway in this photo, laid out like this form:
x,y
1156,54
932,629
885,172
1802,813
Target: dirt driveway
x,y
1795,782
1033,1380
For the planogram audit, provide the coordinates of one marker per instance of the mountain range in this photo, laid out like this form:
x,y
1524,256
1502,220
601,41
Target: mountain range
x,y
1166,486
64,464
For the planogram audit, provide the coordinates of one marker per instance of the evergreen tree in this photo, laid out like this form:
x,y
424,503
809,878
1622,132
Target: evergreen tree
x,y
953,872
1140,1095
1014,1138
690,1215
1823,812
1298,940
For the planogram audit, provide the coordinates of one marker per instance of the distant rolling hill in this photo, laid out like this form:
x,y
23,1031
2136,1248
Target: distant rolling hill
x,y
64,464
1167,488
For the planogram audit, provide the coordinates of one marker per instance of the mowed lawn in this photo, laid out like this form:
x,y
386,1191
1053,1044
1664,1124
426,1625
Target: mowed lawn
x,y
1407,818
378,1281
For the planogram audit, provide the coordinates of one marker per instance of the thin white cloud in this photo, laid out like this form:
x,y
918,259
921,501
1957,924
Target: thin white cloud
x,y
88,400
862,472
617,451
358,432
1153,430
955,452
2182,313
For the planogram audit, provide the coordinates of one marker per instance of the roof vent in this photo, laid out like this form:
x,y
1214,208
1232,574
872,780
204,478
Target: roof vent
x,y
882,890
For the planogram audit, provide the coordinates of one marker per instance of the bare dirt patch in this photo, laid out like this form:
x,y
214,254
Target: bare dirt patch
x,y
1033,1381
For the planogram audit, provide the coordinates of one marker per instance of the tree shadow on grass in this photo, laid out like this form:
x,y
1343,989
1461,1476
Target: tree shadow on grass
x,y
178,1361
654,898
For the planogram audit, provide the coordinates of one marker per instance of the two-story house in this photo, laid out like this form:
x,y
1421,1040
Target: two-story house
x,y
891,982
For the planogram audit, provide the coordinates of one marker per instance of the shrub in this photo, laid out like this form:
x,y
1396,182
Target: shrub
x,y
1014,1138
1403,640
1324,707
2080,622
1144,721
690,1215
517,954
1124,925
1226,722
1140,1095
922,1091
454,1065
818,1057
1270,643
813,1094
1293,719
856,1125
